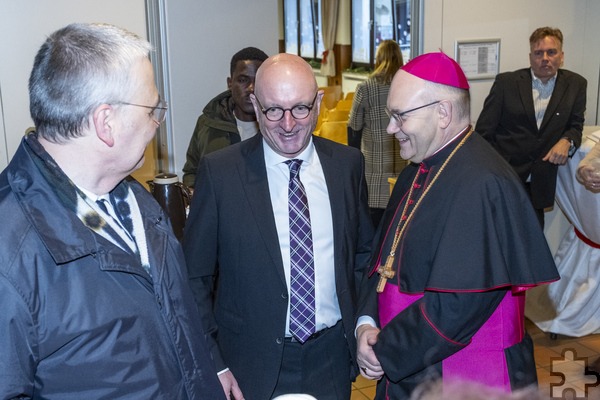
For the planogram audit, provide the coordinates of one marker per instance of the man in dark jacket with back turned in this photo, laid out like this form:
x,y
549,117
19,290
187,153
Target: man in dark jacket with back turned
x,y
93,286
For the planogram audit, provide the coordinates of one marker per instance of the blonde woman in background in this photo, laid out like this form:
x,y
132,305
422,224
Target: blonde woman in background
x,y
367,128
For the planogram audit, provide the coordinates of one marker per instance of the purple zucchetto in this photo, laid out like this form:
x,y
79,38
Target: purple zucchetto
x,y
437,68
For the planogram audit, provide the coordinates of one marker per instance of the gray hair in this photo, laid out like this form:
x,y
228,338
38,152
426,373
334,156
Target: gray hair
x,y
78,68
461,98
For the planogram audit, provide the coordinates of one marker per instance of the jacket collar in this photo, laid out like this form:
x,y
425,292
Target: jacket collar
x,y
63,234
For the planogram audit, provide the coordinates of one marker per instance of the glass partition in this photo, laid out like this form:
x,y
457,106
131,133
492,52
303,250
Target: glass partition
x,y
376,20
361,29
303,33
290,10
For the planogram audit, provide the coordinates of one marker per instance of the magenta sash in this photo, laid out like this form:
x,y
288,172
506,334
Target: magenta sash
x,y
483,359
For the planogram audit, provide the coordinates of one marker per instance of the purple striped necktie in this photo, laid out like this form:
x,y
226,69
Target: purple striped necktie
x,y
302,265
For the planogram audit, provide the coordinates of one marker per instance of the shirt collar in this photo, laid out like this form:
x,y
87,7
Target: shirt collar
x,y
536,79
93,196
272,158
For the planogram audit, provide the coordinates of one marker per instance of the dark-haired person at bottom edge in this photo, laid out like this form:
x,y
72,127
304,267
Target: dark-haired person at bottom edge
x,y
457,248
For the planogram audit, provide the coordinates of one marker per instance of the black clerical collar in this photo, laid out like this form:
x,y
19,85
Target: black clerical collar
x,y
440,156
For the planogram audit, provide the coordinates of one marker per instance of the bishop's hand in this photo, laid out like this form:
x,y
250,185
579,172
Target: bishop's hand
x,y
366,336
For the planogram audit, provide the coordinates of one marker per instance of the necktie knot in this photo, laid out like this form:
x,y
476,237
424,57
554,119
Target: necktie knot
x,y
294,166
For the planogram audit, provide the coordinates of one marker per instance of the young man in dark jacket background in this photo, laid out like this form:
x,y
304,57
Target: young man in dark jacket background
x,y
229,117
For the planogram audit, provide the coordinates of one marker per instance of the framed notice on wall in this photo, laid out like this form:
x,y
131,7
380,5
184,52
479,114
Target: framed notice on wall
x,y
479,59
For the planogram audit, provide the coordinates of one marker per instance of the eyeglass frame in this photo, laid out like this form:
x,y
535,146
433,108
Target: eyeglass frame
x,y
398,116
291,110
162,107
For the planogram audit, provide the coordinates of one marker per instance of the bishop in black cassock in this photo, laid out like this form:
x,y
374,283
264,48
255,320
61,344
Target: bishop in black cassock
x,y
458,246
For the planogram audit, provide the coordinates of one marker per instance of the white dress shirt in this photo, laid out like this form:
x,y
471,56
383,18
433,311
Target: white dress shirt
x,y
542,92
311,175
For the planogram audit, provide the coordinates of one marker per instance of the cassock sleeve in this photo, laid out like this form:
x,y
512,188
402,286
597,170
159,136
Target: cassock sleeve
x,y
432,329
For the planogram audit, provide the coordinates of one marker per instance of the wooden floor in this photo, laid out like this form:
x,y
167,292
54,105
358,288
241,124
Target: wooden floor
x,y
564,355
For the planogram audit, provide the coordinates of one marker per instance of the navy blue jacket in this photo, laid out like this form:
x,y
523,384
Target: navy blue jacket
x,y
80,319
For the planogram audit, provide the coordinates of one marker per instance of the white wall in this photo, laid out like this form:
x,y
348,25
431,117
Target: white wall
x,y
512,21
202,37
24,25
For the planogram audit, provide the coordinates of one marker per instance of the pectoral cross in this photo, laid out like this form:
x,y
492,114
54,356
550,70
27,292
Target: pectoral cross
x,y
385,272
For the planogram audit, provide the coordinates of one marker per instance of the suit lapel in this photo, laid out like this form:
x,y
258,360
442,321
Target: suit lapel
x,y
560,88
335,189
253,173
526,94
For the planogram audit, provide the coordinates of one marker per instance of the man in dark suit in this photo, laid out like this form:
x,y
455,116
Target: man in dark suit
x,y
534,117
241,244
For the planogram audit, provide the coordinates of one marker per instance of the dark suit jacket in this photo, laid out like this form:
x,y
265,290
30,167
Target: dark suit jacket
x,y
231,237
507,121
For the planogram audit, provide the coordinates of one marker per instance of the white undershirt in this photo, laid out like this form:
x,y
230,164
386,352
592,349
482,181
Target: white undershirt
x,y
246,129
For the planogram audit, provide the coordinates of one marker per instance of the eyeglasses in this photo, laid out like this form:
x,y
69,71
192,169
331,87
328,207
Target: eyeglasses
x,y
399,117
299,111
157,112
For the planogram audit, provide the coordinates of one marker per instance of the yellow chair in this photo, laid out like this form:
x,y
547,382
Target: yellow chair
x,y
337,115
321,118
323,110
344,105
349,96
332,94
334,130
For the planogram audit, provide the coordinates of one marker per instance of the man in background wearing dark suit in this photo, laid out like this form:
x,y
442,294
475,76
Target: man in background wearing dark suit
x,y
280,210
534,117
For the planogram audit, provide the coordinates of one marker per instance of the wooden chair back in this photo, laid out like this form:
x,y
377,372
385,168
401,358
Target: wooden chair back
x,y
331,96
338,115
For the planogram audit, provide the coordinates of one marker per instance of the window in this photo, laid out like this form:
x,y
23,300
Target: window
x,y
376,20
302,28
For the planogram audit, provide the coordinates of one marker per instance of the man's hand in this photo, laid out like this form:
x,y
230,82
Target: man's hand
x,y
559,153
589,177
369,365
230,386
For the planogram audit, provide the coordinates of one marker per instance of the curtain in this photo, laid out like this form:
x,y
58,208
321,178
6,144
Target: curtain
x,y
329,13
